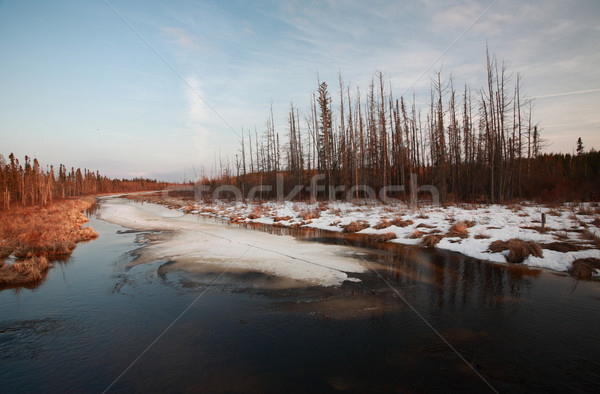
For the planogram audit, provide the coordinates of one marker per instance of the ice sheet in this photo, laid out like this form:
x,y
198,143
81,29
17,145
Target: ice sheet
x,y
191,239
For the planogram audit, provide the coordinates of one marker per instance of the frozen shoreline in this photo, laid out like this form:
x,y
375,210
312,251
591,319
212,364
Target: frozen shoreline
x,y
488,223
187,240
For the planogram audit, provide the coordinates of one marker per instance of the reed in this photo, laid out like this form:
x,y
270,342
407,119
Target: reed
x,y
36,236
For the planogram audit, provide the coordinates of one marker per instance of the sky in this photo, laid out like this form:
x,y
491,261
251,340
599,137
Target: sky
x,y
164,89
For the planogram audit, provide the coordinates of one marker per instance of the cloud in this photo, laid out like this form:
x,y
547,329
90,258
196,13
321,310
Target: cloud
x,y
576,92
183,38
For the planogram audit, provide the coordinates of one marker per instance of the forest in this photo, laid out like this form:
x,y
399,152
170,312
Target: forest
x,y
29,184
479,145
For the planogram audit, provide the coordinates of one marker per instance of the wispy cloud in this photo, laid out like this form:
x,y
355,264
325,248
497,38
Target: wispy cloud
x,y
575,92
183,38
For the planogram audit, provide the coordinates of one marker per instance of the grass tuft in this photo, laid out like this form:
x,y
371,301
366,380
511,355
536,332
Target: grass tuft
x,y
431,240
399,222
355,226
385,237
459,229
518,249
416,234
584,268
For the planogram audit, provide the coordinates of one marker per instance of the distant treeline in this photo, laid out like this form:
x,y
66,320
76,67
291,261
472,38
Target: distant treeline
x,y
28,184
472,145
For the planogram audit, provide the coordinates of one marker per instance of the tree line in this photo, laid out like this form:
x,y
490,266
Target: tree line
x,y
473,145
28,184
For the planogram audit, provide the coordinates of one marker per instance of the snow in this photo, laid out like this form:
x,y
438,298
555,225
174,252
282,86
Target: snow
x,y
188,239
490,223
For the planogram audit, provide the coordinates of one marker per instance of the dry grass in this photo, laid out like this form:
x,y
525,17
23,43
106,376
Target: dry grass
x,y
399,222
481,236
584,268
553,212
518,249
416,234
28,271
281,218
562,247
422,216
37,235
309,214
585,211
590,236
384,223
256,212
431,240
385,237
459,229
355,226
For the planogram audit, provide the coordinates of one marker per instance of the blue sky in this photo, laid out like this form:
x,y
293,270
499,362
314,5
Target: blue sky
x,y
79,87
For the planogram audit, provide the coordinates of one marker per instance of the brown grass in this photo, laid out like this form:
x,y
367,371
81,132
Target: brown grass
x,y
518,249
459,229
384,223
481,236
399,222
553,212
584,268
24,272
37,235
256,212
431,240
355,226
281,218
385,237
416,234
585,211
590,236
562,247
308,214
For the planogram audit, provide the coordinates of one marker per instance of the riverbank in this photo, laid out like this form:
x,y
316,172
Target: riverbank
x,y
31,238
569,240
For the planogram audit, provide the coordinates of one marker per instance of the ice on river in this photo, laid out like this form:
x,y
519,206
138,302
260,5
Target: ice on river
x,y
188,239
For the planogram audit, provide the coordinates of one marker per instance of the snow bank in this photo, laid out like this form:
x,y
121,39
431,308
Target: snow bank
x,y
489,223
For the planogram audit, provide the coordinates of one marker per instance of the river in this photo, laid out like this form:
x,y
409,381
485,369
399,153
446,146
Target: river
x,y
116,317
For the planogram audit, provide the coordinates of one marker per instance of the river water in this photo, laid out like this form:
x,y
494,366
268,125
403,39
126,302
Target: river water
x,y
101,323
